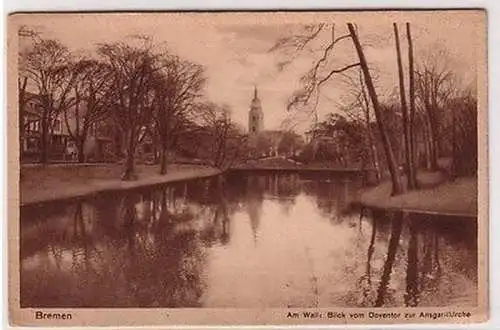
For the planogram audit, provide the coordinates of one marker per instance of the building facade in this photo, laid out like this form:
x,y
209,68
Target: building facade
x,y
61,147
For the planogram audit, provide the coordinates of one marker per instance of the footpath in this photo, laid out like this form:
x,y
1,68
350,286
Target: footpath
x,y
54,182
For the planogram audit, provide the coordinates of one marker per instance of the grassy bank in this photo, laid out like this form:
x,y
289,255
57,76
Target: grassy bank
x,y
436,195
45,183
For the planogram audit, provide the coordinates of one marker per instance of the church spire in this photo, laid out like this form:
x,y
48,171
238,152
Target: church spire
x,y
255,115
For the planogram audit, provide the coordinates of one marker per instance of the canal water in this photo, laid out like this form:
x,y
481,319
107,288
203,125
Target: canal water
x,y
252,240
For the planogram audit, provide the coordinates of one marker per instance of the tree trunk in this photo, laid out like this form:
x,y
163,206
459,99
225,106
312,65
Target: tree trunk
x,y
156,158
412,290
433,156
397,187
118,142
453,170
22,108
129,173
427,144
411,87
396,228
44,143
81,151
432,123
404,110
163,158
371,142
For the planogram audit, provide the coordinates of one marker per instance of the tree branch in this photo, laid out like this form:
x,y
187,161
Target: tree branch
x,y
337,71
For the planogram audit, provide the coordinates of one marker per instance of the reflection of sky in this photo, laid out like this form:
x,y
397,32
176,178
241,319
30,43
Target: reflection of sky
x,y
291,257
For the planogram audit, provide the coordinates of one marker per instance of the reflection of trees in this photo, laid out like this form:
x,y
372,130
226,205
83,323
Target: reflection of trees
x,y
149,255
36,232
397,224
164,263
288,185
425,278
366,280
326,199
106,214
332,192
219,229
412,287
82,239
430,274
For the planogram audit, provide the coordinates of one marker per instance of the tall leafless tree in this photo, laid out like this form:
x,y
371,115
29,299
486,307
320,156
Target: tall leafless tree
x,y
179,85
49,69
32,36
91,92
227,141
397,187
411,123
320,73
404,111
132,70
433,90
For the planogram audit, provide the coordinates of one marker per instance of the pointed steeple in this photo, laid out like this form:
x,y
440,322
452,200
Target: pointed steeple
x,y
255,115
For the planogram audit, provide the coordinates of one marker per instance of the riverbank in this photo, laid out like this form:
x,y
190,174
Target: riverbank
x,y
54,182
437,196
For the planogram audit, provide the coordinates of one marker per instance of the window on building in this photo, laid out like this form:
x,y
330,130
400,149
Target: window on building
x,y
33,126
57,125
254,118
31,144
92,130
253,129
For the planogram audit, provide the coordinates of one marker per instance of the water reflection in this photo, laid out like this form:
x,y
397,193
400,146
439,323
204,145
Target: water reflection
x,y
253,240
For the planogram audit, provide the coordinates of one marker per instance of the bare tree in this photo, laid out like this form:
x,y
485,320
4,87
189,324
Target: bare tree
x,y
226,139
411,123
371,140
316,76
131,70
397,187
179,84
404,109
357,100
320,73
91,92
24,32
23,100
48,68
433,89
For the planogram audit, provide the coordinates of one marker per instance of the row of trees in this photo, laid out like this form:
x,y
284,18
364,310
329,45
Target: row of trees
x,y
141,88
430,115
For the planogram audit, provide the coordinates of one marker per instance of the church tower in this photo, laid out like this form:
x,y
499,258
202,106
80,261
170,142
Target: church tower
x,y
255,116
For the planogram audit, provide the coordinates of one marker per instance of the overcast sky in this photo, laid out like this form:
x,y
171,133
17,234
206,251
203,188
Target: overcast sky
x,y
234,48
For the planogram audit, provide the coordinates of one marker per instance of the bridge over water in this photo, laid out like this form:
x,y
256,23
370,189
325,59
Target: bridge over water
x,y
287,164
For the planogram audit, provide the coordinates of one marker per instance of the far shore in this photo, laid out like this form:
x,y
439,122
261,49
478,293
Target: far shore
x,y
58,182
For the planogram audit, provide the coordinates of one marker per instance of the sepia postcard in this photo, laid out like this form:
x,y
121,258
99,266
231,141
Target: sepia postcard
x,y
247,168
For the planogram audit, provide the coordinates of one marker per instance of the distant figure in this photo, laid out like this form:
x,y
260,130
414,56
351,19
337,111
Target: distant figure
x,y
71,152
